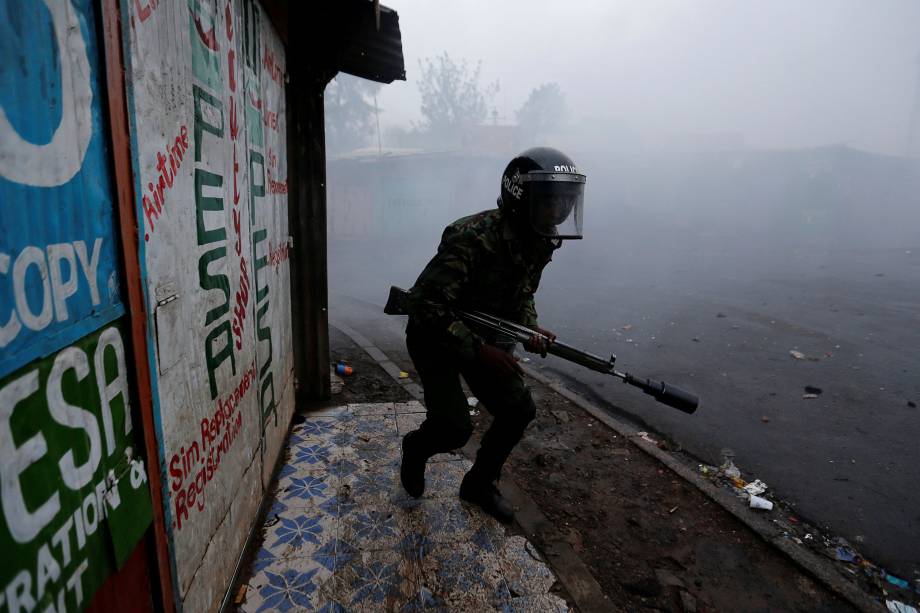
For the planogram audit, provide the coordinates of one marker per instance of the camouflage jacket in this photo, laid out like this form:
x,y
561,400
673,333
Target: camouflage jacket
x,y
481,265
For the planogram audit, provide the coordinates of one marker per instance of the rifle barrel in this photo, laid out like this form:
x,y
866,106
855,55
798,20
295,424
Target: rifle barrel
x,y
661,391
583,358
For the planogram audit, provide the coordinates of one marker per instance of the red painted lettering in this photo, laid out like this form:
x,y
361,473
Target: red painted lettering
x,y
242,300
165,174
154,201
236,228
234,124
175,473
208,37
181,510
142,11
218,433
271,66
205,433
270,119
231,65
228,17
191,493
276,187
150,213
236,169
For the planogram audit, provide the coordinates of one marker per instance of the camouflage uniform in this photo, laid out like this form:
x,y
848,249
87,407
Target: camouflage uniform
x,y
481,265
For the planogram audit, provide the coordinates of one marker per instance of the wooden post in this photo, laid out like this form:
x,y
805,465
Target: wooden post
x,y
307,219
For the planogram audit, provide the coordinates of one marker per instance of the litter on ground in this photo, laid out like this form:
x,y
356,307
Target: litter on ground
x,y
761,503
730,470
899,607
756,488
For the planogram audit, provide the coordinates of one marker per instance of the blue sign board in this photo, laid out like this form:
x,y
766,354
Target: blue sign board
x,y
59,277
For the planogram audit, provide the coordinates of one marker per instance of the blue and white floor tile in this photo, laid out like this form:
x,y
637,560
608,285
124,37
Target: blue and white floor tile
x,y
405,408
407,422
522,567
373,408
342,535
372,426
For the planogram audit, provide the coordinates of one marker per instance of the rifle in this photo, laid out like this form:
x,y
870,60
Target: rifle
x,y
665,393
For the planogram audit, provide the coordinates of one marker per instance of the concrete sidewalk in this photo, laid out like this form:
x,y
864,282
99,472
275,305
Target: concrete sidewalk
x,y
341,533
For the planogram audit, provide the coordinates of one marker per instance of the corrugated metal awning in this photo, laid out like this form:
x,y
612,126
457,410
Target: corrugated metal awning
x,y
366,50
341,36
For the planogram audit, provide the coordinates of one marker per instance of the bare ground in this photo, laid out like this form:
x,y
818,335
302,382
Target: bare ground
x,y
652,541
368,382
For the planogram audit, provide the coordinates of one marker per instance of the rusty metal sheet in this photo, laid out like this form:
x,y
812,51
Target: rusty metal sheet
x,y
75,495
206,85
58,268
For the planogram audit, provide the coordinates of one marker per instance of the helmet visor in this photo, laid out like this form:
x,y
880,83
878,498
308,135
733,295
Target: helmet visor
x,y
556,205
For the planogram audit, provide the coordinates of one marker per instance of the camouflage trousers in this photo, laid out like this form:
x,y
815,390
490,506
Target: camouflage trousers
x,y
448,425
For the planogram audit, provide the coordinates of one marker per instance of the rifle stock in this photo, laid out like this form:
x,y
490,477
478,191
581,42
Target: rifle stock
x,y
397,302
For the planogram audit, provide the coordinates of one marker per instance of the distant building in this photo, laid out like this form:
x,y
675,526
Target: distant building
x,y
401,194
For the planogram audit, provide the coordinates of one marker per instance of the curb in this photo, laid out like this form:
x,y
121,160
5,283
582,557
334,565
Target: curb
x,y
820,569
570,569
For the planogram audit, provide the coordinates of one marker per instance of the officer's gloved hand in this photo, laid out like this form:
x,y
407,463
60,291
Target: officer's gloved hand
x,y
540,341
502,363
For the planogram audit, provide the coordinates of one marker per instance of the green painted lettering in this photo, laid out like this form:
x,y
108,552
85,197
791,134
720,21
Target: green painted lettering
x,y
201,123
256,190
205,58
203,203
214,360
209,281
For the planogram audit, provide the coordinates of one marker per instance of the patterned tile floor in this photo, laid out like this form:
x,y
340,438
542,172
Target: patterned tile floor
x,y
343,535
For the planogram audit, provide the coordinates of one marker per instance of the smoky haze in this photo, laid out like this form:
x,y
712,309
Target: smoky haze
x,y
779,74
753,188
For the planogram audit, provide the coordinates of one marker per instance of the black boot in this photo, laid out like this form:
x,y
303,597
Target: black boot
x,y
412,470
486,496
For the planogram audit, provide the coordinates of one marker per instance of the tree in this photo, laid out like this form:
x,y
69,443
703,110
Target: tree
x,y
452,97
350,113
543,113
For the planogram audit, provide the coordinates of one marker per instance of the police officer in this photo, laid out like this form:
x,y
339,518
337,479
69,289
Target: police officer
x,y
490,262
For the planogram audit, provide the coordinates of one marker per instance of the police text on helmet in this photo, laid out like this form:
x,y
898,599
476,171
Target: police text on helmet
x,y
513,186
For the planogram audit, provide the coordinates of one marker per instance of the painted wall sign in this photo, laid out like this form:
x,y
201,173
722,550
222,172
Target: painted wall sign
x,y
74,492
58,278
208,120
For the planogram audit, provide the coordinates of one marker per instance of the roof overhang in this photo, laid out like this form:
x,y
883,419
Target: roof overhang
x,y
371,43
359,37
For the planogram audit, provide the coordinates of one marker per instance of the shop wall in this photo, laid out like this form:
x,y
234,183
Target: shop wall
x,y
206,81
75,500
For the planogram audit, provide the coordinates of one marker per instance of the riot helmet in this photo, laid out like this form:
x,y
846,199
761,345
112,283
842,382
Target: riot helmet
x,y
542,192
